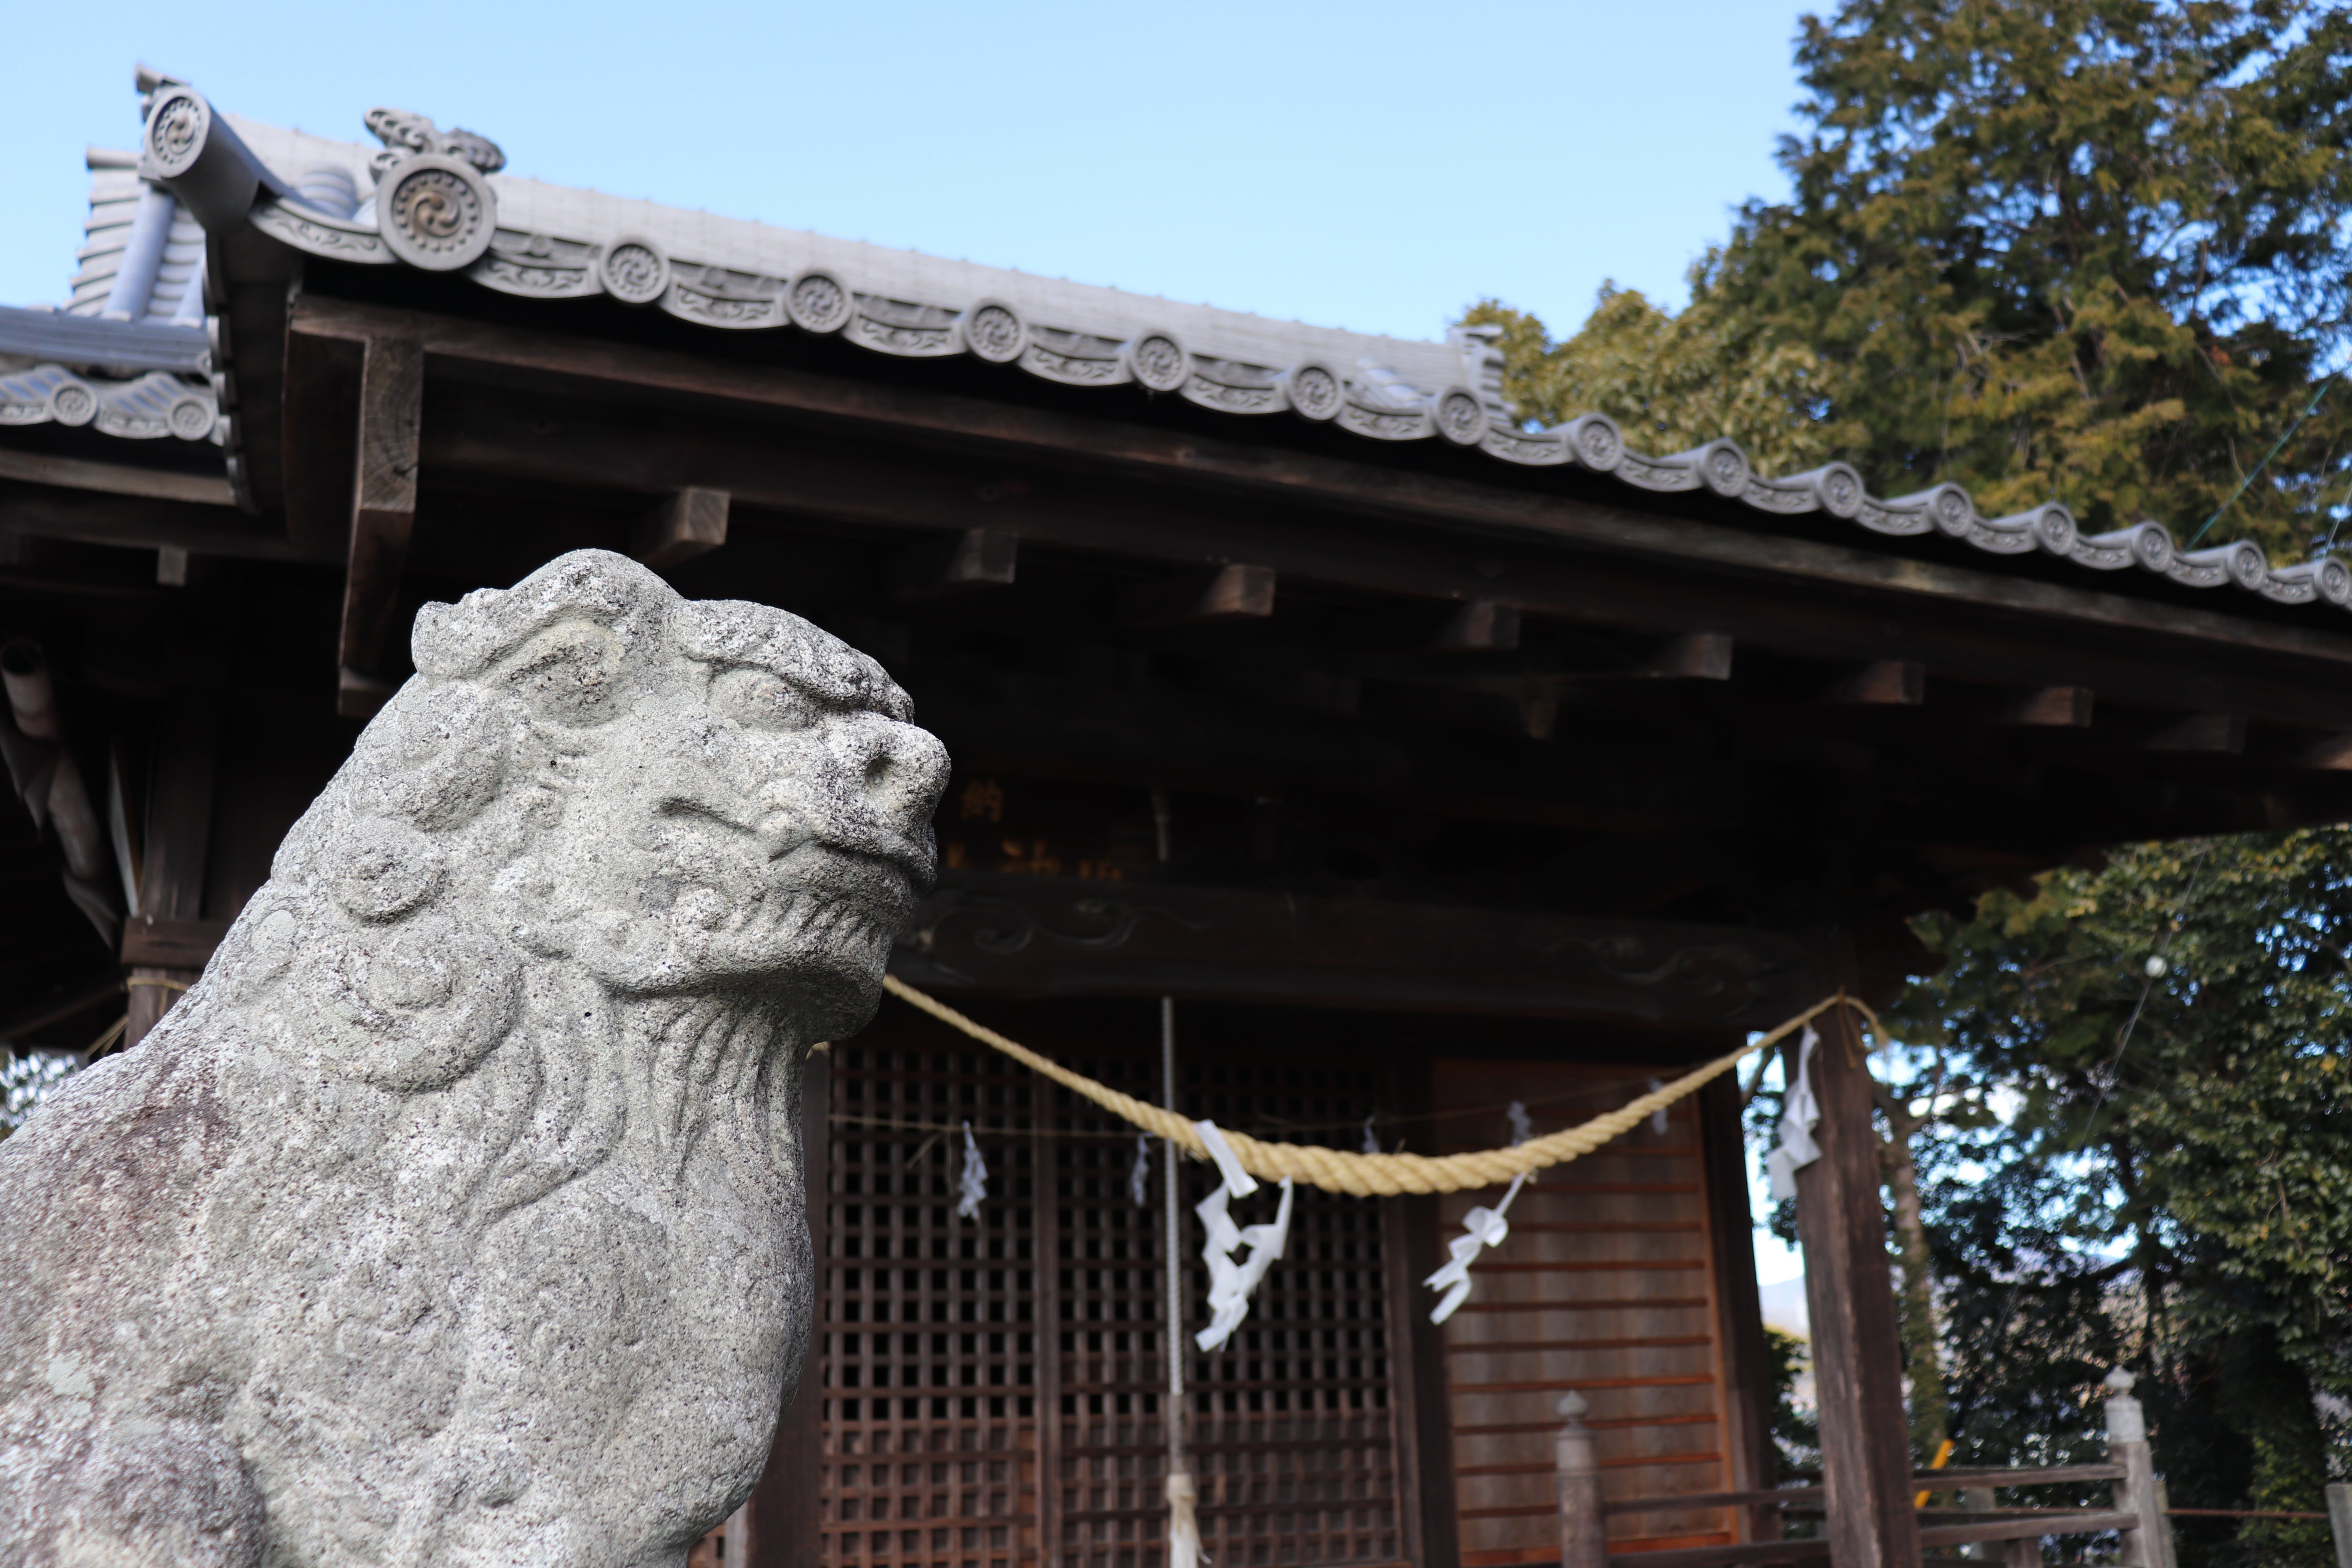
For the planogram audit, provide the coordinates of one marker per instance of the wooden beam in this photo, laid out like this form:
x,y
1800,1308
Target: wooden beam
x,y
1516,504
1233,592
1883,683
2220,734
971,558
137,522
1003,933
2051,708
116,479
1482,626
492,440
170,566
174,942
680,527
383,496
1850,1300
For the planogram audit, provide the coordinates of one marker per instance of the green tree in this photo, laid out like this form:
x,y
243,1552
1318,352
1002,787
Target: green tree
x,y
2151,1165
2082,250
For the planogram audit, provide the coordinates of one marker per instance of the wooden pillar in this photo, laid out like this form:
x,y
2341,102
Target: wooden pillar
x,y
1850,1295
1755,1462
1410,1240
179,834
383,513
777,1528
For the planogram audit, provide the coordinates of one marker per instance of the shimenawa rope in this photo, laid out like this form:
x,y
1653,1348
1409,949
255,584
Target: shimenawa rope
x,y
1377,1175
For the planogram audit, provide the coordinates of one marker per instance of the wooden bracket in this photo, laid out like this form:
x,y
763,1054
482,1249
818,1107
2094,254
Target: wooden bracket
x,y
1884,683
975,558
1481,626
2217,733
2333,755
1236,593
383,496
682,526
1695,655
2051,708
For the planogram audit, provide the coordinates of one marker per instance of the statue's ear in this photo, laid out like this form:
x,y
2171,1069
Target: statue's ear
x,y
571,674
568,639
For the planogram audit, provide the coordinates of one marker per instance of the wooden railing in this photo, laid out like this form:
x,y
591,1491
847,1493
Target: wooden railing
x,y
2136,1516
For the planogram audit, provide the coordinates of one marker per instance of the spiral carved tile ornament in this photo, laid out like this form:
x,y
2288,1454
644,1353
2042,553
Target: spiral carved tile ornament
x,y
1461,417
73,403
1314,391
1157,361
436,213
2333,579
1598,442
1724,468
1839,490
817,302
191,418
2054,529
178,120
1950,509
993,331
634,272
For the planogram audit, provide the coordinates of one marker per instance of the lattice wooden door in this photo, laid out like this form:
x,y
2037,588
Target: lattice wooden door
x,y
927,1326
981,1411
1293,1436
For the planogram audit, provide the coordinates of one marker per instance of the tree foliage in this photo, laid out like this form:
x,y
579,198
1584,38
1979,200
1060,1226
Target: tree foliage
x,y
2148,1162
2089,250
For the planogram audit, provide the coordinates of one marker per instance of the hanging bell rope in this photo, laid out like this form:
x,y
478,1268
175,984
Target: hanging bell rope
x,y
1377,1175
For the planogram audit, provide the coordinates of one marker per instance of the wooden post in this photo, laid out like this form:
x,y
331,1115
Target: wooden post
x,y
1740,1314
1584,1529
2339,1522
1411,1232
2143,1546
383,508
179,833
1850,1296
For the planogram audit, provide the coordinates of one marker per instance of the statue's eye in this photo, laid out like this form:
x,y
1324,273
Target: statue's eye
x,y
762,700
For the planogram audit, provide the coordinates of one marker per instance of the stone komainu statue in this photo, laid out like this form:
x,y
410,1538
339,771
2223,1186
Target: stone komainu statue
x,y
456,1216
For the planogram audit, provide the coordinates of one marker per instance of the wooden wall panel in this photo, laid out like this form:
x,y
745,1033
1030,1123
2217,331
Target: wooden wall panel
x,y
1606,1286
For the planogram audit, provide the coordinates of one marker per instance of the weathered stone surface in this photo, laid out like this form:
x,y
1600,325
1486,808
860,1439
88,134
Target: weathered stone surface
x,y
456,1216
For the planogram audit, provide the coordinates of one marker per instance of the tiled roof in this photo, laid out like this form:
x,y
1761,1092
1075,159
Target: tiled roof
x,y
437,201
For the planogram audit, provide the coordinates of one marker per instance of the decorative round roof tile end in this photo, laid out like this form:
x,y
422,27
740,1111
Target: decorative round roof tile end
x,y
2333,579
2152,546
2054,529
994,332
633,271
436,213
1460,417
1157,361
1314,391
1596,441
819,302
178,121
1838,491
1724,468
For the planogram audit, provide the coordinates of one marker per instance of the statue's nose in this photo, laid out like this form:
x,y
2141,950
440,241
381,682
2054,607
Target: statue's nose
x,y
899,770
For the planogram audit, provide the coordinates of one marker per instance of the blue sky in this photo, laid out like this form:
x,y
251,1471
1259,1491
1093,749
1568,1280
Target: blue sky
x,y
1372,165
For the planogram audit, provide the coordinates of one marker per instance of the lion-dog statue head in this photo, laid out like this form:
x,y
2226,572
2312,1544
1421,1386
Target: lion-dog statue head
x,y
456,1216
